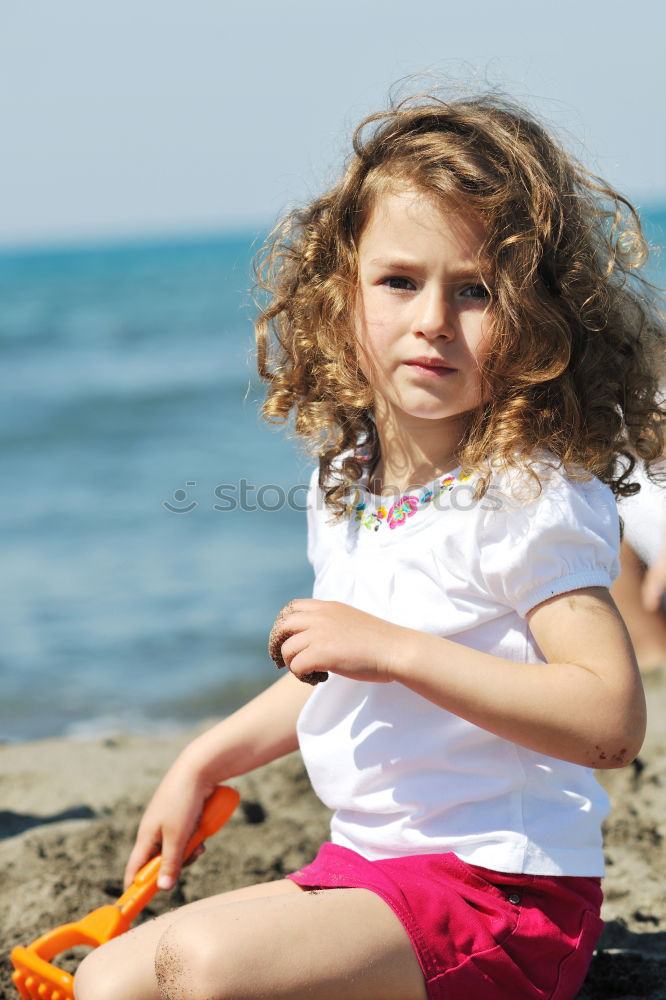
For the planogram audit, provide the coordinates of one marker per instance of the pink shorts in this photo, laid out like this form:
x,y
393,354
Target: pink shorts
x,y
478,934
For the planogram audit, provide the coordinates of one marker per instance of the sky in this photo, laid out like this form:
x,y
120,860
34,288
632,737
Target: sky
x,y
130,117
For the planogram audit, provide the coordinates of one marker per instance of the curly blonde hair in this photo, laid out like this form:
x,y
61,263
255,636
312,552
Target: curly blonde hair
x,y
577,348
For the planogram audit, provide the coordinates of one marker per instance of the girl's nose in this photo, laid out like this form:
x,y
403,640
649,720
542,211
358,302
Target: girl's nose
x,y
434,316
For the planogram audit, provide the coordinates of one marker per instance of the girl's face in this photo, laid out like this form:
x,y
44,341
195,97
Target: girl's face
x,y
423,322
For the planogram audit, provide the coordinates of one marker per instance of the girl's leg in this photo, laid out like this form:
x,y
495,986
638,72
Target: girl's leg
x,y
287,944
125,966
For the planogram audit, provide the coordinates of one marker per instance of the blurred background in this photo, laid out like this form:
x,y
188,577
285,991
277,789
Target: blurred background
x,y
149,531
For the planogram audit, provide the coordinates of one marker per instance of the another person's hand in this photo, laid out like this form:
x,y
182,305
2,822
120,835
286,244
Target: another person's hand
x,y
654,585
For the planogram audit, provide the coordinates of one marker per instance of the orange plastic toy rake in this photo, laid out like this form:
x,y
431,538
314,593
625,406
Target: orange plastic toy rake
x,y
37,979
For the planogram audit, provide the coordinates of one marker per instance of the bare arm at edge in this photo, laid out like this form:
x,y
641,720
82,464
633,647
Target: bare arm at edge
x,y
259,732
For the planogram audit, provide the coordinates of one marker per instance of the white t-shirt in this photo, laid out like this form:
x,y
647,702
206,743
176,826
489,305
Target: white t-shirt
x,y
403,775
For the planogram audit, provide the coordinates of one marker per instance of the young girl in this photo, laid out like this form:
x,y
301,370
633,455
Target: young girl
x,y
458,329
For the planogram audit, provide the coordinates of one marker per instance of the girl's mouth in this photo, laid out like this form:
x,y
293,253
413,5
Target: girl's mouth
x,y
431,367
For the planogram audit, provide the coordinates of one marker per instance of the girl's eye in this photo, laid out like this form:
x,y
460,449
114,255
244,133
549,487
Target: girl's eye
x,y
476,292
398,283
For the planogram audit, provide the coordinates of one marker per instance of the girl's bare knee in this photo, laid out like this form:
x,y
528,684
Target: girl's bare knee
x,y
181,964
92,980
189,965
123,967
171,960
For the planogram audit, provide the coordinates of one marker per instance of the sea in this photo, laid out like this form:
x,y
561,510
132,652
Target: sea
x,y
153,523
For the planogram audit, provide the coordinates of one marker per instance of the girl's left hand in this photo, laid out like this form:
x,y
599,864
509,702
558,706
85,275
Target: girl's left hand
x,y
314,636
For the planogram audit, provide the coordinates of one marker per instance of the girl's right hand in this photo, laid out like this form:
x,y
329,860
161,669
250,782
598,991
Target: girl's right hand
x,y
167,825
261,731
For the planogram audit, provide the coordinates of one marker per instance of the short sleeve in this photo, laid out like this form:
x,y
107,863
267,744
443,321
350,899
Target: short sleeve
x,y
565,539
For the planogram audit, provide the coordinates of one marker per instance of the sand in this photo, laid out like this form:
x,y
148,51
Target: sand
x,y
70,810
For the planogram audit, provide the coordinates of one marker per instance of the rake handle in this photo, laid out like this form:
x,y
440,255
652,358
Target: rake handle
x,y
216,812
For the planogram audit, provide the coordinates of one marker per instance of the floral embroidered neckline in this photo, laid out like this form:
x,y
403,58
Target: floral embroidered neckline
x,y
398,513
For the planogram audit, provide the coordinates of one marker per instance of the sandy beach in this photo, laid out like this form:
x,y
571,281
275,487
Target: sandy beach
x,y
70,810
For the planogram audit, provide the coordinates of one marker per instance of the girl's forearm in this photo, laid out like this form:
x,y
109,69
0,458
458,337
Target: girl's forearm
x,y
564,710
585,704
256,734
261,731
